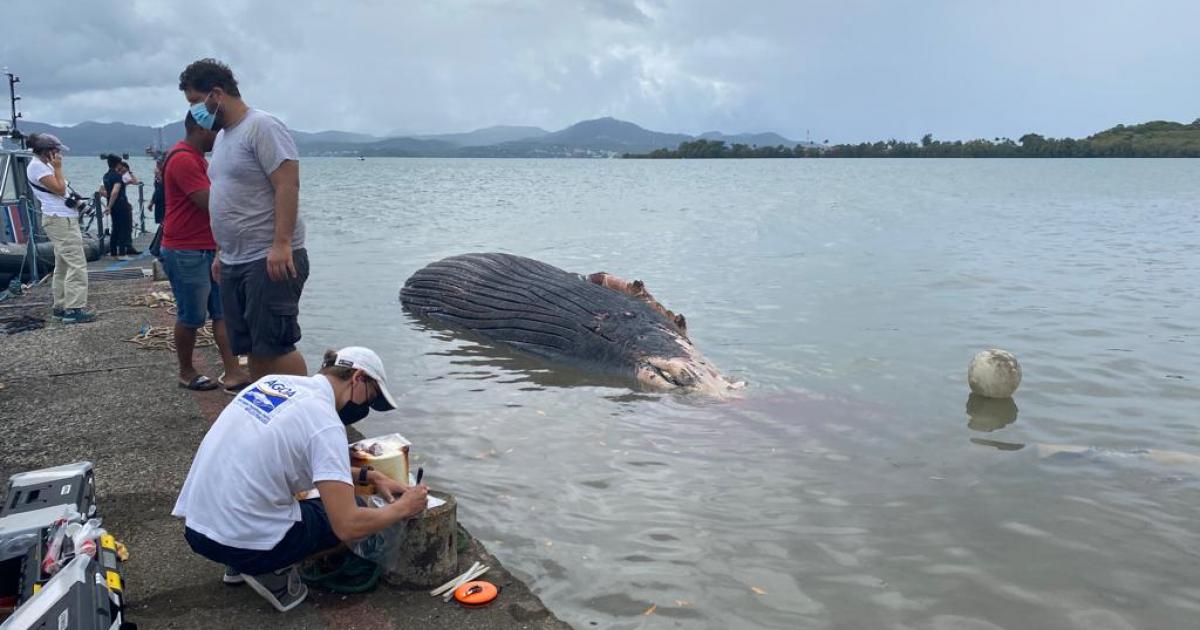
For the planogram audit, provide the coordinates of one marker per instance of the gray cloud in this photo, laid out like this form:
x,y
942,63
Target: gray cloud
x,y
846,70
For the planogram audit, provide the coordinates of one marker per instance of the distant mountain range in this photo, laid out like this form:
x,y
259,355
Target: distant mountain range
x,y
602,137
486,136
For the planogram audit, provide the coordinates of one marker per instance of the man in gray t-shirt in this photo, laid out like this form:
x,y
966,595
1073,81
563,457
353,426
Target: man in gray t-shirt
x,y
254,208
242,196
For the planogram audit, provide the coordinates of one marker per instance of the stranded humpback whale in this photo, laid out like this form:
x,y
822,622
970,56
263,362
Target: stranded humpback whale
x,y
597,322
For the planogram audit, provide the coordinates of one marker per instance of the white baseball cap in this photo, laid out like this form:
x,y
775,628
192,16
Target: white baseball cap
x,y
365,359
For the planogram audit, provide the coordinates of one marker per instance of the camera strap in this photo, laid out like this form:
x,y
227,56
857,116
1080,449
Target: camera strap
x,y
46,190
70,191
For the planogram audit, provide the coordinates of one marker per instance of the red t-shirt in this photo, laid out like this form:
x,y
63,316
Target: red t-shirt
x,y
186,225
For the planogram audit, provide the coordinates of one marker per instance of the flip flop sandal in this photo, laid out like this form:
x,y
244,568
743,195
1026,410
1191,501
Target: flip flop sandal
x,y
232,390
200,383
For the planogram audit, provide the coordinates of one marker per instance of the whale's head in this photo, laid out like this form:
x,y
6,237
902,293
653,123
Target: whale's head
x,y
687,373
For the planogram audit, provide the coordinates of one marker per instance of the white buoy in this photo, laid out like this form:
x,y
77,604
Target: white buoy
x,y
994,373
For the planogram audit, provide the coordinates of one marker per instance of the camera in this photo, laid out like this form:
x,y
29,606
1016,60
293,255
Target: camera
x,y
76,202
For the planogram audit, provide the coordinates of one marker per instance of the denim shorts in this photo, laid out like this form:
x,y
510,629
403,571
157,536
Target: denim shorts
x,y
197,296
311,535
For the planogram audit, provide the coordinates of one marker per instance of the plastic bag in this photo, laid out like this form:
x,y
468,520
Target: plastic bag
x,y
83,540
17,546
382,546
52,560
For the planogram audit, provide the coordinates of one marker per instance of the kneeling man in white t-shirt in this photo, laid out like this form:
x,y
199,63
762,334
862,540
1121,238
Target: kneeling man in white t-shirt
x,y
280,436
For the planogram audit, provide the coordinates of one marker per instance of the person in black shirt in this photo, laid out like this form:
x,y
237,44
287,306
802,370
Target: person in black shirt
x,y
111,178
159,201
115,183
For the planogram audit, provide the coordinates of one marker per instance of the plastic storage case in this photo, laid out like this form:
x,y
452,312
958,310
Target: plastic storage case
x,y
34,501
76,598
29,578
38,498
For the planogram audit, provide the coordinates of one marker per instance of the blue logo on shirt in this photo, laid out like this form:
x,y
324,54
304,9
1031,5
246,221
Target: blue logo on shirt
x,y
265,398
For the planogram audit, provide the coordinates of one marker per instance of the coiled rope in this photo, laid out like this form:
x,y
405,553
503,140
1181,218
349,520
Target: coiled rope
x,y
156,299
163,337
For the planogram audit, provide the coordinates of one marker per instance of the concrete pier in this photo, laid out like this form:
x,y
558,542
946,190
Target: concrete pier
x,y
81,392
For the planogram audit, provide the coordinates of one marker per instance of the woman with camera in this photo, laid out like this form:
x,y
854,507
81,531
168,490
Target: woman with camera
x,y
61,224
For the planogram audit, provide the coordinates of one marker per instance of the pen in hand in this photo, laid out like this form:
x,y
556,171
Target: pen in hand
x,y
420,473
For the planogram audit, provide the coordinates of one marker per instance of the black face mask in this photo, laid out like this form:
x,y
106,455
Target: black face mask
x,y
352,412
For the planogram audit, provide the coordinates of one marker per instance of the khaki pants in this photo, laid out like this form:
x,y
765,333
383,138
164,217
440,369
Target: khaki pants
x,y
70,267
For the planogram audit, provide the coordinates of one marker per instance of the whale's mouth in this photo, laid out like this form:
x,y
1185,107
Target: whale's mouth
x,y
664,374
684,375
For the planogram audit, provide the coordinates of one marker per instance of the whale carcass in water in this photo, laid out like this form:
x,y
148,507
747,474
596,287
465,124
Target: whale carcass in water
x,y
598,322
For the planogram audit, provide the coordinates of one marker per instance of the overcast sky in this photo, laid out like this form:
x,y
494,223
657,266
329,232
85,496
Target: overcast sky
x,y
846,70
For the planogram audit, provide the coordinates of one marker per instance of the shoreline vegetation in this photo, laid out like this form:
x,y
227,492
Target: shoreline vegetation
x,y
1156,139
612,138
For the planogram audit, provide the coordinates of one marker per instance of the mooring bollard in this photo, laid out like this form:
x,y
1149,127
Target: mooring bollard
x,y
427,555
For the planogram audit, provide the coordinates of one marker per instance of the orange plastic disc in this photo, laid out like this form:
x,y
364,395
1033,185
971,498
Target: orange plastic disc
x,y
476,594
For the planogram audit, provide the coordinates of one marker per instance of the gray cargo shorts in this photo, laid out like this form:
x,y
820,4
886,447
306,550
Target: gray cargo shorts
x,y
261,315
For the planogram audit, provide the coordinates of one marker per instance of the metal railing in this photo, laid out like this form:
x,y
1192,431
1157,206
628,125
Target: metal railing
x,y
142,205
31,240
98,204
98,218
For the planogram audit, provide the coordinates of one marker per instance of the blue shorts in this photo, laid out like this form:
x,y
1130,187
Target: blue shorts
x,y
311,535
197,296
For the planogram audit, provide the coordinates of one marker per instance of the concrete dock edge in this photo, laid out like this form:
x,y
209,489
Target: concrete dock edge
x,y
82,392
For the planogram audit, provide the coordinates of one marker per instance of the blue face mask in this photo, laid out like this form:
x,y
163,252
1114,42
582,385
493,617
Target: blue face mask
x,y
202,116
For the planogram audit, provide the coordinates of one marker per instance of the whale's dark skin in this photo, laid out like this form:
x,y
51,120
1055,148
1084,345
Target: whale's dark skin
x,y
562,317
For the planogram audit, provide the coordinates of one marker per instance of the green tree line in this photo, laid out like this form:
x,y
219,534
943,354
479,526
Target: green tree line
x,y
1153,139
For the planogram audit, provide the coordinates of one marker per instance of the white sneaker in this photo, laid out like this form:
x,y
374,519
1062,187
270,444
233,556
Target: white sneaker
x,y
282,588
231,576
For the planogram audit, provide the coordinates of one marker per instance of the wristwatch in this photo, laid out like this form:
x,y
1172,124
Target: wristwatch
x,y
362,475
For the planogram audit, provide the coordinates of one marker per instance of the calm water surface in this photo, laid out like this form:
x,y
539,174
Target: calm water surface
x,y
849,488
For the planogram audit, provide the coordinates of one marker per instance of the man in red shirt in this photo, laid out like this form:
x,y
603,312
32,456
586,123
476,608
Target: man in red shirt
x,y
188,251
